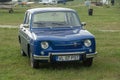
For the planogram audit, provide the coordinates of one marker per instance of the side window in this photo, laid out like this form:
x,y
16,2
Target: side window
x,y
27,18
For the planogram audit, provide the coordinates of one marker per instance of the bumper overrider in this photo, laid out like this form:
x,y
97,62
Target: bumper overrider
x,y
48,58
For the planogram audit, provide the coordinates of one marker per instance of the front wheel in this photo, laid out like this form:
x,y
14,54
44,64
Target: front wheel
x,y
88,62
34,63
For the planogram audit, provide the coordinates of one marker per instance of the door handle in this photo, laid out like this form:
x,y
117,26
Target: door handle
x,y
24,30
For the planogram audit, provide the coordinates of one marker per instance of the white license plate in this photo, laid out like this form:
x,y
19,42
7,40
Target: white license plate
x,y
68,58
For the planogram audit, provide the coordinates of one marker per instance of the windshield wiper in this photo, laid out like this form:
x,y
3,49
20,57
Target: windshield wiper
x,y
58,23
39,23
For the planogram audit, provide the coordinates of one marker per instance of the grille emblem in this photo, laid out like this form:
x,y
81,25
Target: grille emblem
x,y
75,44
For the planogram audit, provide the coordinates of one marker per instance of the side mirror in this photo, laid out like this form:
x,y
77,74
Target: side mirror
x,y
26,25
83,24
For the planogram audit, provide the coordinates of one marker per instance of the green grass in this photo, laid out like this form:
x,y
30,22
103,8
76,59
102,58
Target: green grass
x,y
105,67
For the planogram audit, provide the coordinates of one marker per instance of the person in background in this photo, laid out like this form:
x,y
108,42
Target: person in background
x,y
112,2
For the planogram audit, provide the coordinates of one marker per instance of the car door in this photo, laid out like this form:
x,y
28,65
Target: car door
x,y
25,33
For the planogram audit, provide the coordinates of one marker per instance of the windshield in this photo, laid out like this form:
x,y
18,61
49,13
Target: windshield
x,y
55,19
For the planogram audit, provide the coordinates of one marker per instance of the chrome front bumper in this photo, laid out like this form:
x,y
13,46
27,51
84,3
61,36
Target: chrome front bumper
x,y
91,55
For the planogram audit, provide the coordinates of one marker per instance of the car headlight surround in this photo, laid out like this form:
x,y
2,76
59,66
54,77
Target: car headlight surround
x,y
44,45
87,43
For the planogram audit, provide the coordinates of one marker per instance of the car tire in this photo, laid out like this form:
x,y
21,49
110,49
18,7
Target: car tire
x,y
34,63
88,62
23,53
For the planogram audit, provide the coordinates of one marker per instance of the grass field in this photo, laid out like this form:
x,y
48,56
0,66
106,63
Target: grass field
x,y
104,24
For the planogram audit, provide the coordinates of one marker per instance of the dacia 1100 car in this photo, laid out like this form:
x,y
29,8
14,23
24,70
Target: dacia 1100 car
x,y
55,35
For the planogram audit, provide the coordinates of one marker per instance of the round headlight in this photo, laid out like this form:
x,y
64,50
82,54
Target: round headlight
x,y
44,45
87,43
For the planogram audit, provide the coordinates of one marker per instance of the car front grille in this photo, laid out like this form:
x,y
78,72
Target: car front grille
x,y
67,45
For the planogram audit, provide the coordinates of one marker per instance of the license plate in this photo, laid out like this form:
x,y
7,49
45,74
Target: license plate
x,y
68,58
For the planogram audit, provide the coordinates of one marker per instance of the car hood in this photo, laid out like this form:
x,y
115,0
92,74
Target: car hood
x,y
61,34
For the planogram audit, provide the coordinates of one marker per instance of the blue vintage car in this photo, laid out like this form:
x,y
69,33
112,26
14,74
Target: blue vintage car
x,y
55,35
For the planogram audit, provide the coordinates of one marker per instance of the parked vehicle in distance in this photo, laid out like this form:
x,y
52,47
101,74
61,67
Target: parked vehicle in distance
x,y
5,0
55,35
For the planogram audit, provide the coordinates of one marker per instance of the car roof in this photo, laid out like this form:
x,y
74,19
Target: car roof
x,y
34,10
